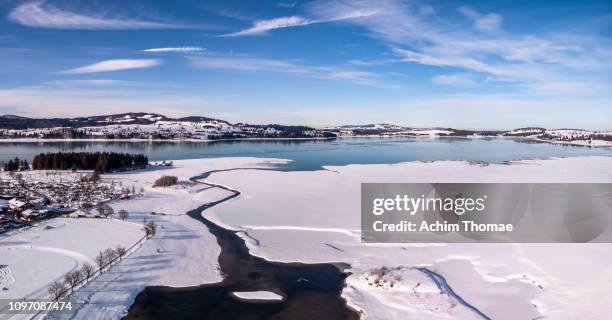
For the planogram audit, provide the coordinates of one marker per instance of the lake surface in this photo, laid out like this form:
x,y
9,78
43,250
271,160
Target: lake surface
x,y
312,154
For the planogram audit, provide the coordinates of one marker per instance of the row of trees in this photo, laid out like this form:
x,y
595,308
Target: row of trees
x,y
16,165
75,277
104,210
98,161
103,260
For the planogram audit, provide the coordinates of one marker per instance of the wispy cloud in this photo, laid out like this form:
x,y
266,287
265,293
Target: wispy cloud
x,y
262,26
176,49
86,82
458,80
286,4
245,63
467,63
248,63
483,47
114,65
40,14
482,22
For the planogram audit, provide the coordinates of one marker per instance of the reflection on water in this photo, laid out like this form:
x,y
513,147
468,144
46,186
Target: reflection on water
x,y
312,154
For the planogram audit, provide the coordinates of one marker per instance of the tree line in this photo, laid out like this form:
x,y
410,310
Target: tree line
x,y
98,161
16,165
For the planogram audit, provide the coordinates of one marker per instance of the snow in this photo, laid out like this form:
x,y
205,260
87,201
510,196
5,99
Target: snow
x,y
182,253
34,257
531,130
258,295
314,217
429,132
579,137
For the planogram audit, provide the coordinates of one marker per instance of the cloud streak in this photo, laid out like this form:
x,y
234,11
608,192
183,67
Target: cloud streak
x,y
176,49
39,14
482,22
458,80
114,65
262,26
529,60
244,63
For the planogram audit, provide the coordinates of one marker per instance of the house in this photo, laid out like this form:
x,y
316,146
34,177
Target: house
x,y
16,204
29,214
36,202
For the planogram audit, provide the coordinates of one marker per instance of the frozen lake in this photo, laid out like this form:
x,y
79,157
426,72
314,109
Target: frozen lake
x,y
312,154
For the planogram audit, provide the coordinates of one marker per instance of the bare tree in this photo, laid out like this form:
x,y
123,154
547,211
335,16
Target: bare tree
x,y
105,210
121,251
72,278
123,214
87,270
100,260
110,254
108,211
56,289
150,229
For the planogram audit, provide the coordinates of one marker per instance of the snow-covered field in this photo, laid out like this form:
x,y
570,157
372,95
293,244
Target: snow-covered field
x,y
34,257
182,253
315,217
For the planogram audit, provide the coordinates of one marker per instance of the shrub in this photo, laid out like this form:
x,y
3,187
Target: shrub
x,y
165,181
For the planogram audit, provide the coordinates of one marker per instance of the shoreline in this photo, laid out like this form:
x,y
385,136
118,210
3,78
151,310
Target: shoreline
x,y
243,272
292,239
416,137
305,242
42,140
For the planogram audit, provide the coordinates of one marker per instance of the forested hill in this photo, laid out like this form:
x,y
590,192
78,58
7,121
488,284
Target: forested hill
x,y
19,123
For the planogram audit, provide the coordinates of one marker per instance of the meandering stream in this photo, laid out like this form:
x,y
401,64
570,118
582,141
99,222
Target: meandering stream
x,y
310,291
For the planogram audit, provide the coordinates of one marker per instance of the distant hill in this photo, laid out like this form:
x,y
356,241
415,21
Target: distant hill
x,y
17,122
143,125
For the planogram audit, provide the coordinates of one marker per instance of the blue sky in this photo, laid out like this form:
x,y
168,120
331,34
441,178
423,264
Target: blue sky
x,y
465,64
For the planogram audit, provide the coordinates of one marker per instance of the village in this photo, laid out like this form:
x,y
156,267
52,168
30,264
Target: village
x,y
30,196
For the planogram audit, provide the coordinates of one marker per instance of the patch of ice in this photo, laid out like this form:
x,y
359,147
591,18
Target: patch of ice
x,y
258,295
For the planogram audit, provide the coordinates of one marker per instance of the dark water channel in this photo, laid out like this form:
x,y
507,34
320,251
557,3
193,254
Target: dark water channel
x,y
310,291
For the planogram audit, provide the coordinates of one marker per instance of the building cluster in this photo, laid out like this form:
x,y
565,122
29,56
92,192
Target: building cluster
x,y
28,197
166,129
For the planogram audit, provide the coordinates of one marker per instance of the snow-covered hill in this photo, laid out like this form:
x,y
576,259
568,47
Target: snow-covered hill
x,y
578,137
139,125
144,126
